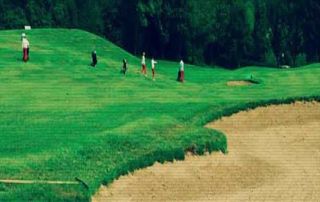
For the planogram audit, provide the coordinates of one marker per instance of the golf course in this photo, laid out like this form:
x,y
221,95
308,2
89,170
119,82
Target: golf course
x,y
67,128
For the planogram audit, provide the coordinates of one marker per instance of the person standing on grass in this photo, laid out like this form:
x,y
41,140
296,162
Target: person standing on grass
x,y
25,47
153,66
143,63
124,67
22,36
181,72
94,58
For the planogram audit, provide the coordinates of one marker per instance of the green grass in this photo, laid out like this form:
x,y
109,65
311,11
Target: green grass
x,y
61,119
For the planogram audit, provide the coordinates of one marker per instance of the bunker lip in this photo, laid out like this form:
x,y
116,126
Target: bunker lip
x,y
267,156
242,83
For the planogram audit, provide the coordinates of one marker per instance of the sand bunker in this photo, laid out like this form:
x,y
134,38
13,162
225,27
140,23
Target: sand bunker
x,y
240,83
274,155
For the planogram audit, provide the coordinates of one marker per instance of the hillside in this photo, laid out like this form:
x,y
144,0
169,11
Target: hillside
x,y
61,119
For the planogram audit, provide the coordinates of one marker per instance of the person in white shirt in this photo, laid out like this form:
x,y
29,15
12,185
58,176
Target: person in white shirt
x,y
181,72
22,36
153,66
143,63
25,47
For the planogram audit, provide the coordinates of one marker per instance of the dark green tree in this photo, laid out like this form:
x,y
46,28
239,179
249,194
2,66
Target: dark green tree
x,y
216,32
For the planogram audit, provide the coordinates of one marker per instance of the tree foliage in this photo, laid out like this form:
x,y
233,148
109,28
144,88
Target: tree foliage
x,y
229,33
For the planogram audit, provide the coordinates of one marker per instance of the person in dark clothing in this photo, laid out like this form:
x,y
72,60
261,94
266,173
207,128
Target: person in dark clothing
x,y
94,59
179,75
124,67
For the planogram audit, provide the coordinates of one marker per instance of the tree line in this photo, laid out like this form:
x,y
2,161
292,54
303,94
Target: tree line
x,y
229,33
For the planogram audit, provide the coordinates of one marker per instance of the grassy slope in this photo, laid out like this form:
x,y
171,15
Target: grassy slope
x,y
61,119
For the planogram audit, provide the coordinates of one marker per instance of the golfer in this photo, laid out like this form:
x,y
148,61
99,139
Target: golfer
x,y
143,64
153,66
181,72
124,67
25,47
94,58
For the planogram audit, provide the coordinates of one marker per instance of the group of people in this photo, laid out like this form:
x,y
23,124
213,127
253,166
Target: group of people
x,y
153,68
143,66
25,47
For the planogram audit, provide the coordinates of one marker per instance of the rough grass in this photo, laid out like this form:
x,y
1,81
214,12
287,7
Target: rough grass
x,y
61,119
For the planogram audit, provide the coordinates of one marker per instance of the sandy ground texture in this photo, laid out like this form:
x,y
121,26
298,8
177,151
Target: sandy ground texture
x,y
274,155
240,83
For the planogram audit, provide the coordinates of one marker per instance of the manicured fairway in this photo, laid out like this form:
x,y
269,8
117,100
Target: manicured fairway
x,y
61,119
